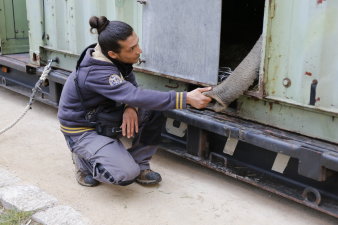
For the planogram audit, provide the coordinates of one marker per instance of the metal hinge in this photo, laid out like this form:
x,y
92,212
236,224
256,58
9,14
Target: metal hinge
x,y
142,2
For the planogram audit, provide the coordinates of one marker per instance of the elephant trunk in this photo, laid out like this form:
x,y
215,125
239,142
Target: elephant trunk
x,y
239,80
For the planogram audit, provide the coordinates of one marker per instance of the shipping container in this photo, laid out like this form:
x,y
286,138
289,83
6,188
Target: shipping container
x,y
13,27
280,135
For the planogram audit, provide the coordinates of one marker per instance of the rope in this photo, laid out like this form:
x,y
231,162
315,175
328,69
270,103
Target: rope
x,y
42,78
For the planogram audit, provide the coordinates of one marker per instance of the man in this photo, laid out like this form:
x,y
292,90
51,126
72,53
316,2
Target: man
x,y
104,78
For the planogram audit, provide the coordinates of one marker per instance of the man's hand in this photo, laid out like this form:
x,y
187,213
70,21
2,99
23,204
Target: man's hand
x,y
196,99
130,122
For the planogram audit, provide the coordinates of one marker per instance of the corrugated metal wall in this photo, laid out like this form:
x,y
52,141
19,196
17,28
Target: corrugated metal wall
x,y
182,38
13,27
300,70
303,54
61,28
300,65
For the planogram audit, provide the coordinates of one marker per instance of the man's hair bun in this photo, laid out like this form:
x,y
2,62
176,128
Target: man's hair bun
x,y
110,33
98,23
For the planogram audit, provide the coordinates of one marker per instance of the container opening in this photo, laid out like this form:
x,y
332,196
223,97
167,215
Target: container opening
x,y
242,24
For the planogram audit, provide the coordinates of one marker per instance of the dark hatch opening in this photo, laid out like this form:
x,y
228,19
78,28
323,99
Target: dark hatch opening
x,y
242,24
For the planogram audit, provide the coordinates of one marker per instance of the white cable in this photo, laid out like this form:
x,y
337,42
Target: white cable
x,y
42,78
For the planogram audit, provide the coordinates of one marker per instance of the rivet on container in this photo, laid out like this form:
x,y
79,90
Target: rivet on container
x,y
286,82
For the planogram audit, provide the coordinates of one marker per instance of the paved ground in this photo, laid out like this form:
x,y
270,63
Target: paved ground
x,y
35,151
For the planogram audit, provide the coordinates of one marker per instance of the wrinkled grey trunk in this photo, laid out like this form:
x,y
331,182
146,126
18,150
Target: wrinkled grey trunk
x,y
239,80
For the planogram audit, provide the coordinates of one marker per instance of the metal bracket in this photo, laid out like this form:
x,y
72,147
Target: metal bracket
x,y
140,61
196,141
316,197
280,163
218,159
230,145
173,129
142,2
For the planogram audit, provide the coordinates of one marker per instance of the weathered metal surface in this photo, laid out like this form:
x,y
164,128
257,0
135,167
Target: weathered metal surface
x,y
196,139
67,60
13,27
300,70
35,17
19,82
185,42
136,68
17,61
22,76
63,25
302,48
311,122
312,154
159,83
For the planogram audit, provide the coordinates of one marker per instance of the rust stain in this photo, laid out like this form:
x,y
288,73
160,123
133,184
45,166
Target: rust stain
x,y
239,107
318,99
173,86
308,73
255,99
320,1
4,69
270,106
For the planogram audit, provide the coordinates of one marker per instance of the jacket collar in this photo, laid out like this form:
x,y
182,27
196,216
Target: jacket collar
x,y
98,55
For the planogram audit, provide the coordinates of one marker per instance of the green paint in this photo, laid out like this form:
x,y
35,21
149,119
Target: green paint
x,y
282,114
13,27
289,117
36,26
301,48
20,18
9,20
147,81
67,61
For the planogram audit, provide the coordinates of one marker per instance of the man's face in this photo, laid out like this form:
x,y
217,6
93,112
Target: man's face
x,y
130,50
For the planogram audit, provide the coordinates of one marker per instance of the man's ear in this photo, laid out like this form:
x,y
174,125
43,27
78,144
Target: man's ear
x,y
112,54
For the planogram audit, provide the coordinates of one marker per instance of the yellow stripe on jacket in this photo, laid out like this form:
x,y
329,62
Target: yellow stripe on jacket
x,y
75,130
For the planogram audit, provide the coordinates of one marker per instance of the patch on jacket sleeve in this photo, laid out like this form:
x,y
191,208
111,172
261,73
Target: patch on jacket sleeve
x,y
114,80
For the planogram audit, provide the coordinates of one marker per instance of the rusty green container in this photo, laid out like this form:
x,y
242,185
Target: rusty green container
x,y
13,27
60,28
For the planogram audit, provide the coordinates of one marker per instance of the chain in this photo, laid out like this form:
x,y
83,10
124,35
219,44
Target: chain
x,y
42,78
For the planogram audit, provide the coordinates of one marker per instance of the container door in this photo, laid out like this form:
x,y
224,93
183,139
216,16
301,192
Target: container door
x,y
303,54
13,27
181,38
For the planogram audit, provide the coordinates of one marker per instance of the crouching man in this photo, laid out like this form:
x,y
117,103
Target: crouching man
x,y
101,101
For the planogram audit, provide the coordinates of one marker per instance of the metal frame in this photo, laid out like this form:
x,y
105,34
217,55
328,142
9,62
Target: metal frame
x,y
309,158
314,156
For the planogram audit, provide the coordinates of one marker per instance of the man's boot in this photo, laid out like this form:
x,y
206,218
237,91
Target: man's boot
x,y
84,178
148,177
